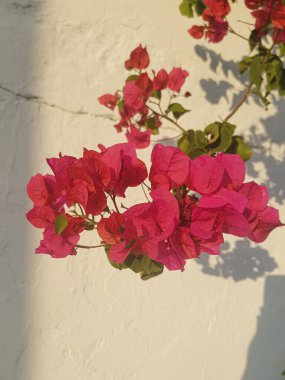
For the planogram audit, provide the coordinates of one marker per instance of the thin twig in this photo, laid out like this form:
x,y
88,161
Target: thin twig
x,y
145,193
240,103
167,118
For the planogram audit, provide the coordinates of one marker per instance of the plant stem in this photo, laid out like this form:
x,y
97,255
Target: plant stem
x,y
113,197
145,193
163,115
237,34
240,103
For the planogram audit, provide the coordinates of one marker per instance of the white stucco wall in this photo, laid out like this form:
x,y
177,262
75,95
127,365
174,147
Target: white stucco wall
x,y
79,318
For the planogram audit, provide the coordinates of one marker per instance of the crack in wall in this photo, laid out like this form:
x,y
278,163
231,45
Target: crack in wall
x,y
40,101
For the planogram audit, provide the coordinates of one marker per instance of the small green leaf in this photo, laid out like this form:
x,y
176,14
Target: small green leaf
x,y
156,94
177,109
212,131
132,77
281,49
196,152
255,71
60,224
121,104
144,265
151,123
263,99
186,8
199,7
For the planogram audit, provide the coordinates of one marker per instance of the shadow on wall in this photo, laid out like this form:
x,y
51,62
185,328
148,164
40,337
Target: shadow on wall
x,y
266,355
240,263
16,41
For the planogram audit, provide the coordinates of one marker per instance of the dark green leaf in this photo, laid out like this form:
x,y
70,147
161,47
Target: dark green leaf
x,y
60,224
263,99
199,7
196,152
254,39
177,110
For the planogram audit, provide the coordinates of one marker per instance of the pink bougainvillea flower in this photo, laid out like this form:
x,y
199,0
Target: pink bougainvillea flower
x,y
139,59
146,225
206,175
37,190
141,139
252,4
219,8
40,216
58,246
217,30
262,223
134,97
234,168
110,229
278,16
177,77
197,31
171,163
125,168
109,101
160,80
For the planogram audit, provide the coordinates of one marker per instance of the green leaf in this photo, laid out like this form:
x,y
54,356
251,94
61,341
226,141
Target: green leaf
x,y
186,8
132,77
156,94
199,7
60,224
187,141
259,94
224,141
212,131
244,65
255,71
253,39
273,73
200,139
281,49
196,152
177,110
121,104
241,148
144,265
151,123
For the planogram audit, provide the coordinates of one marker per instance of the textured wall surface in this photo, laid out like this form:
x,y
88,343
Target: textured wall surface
x,y
78,318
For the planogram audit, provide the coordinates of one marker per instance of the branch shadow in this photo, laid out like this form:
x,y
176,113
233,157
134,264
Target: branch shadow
x,y
266,354
242,262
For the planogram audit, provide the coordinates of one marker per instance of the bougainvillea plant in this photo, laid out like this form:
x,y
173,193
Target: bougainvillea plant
x,y
148,99
190,205
266,39
195,193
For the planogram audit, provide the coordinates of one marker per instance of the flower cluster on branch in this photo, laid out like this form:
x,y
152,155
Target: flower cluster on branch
x,y
193,204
